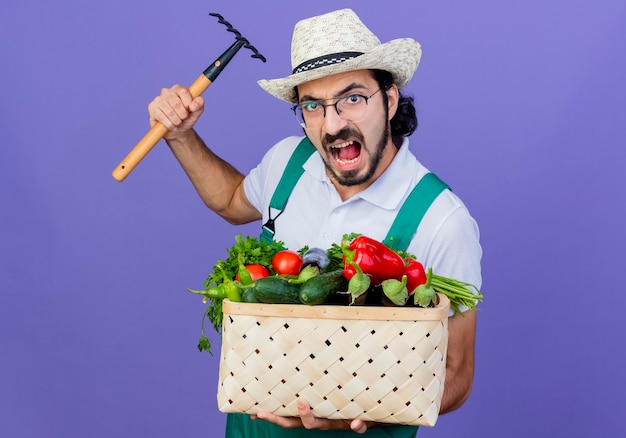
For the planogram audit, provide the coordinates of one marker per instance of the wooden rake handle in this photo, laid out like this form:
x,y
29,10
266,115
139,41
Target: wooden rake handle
x,y
157,132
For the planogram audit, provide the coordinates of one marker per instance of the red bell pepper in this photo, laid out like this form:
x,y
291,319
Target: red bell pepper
x,y
374,258
415,273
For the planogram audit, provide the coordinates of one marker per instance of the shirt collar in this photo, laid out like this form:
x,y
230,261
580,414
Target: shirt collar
x,y
387,191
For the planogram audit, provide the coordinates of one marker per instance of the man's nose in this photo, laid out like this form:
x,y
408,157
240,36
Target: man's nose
x,y
333,122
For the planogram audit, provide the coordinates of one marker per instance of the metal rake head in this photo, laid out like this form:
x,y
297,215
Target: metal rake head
x,y
238,36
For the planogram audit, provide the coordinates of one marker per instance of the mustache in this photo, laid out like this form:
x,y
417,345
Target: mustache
x,y
341,135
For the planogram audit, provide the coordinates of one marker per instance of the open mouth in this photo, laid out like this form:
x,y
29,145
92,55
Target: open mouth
x,y
346,153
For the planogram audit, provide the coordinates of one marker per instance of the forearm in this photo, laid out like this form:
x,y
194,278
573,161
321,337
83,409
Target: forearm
x,y
459,361
218,183
456,392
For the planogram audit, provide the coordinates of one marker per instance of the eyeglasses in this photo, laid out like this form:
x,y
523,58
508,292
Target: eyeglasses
x,y
352,108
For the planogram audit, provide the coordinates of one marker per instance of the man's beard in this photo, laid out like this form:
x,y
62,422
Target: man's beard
x,y
351,177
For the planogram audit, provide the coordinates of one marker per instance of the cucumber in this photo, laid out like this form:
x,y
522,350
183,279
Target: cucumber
x,y
249,296
319,289
275,290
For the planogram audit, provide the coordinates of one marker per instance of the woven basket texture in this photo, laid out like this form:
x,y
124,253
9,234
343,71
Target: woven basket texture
x,y
383,364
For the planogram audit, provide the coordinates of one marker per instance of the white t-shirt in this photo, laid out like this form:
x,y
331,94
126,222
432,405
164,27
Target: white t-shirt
x,y
446,240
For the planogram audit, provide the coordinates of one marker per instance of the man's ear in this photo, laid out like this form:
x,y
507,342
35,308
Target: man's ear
x,y
393,98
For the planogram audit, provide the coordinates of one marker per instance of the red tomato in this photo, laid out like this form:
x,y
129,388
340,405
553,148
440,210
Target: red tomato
x,y
256,272
287,262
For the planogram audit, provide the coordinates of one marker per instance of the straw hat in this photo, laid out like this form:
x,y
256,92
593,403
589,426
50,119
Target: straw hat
x,y
338,42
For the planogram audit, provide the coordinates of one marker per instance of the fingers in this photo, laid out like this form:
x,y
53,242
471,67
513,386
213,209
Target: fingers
x,y
358,426
308,420
169,107
286,422
175,108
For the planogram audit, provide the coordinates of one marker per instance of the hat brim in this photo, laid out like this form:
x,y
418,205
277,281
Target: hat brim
x,y
400,57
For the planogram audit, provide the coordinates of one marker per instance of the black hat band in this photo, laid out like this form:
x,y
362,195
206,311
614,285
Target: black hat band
x,y
323,61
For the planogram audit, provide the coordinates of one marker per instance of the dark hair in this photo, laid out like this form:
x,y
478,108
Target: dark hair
x,y
404,122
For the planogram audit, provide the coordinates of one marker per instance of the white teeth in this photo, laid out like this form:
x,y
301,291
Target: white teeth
x,y
341,145
347,161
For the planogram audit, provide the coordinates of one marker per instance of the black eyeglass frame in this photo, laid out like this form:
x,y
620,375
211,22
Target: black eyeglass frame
x,y
302,123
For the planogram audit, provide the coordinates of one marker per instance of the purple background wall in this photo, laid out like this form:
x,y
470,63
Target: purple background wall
x,y
522,110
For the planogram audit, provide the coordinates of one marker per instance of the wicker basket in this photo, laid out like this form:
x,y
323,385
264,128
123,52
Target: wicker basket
x,y
383,364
